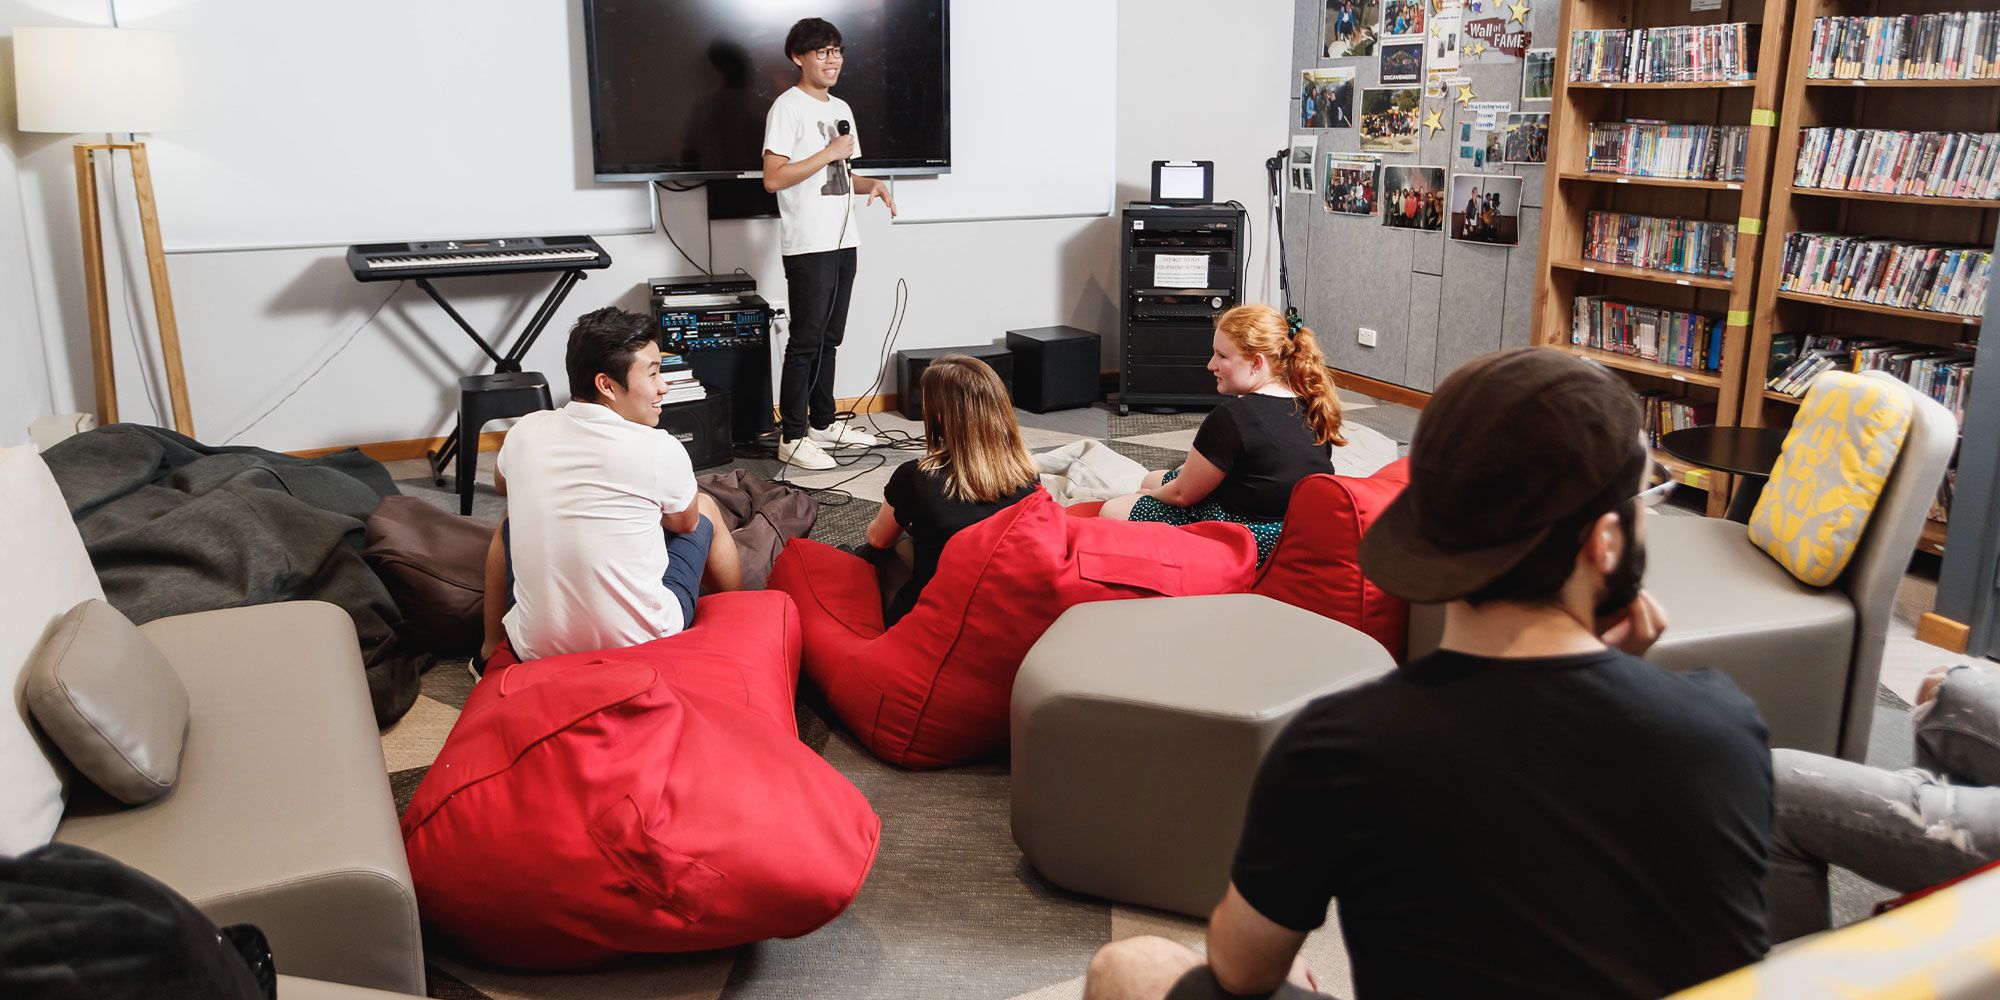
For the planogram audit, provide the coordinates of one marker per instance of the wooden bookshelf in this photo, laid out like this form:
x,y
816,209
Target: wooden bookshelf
x,y
1571,193
1932,540
1908,105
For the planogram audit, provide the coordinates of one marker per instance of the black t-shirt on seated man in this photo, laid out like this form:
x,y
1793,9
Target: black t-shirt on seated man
x,y
1579,826
1264,447
931,518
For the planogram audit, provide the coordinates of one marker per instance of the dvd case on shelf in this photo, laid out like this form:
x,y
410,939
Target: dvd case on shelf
x,y
1931,277
1643,148
1670,337
1679,246
1947,45
1885,161
1692,53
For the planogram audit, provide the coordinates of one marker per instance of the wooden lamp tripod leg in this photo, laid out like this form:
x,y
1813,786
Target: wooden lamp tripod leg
x,y
163,295
102,377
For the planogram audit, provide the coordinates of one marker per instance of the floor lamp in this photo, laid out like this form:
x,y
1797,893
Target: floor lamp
x,y
109,80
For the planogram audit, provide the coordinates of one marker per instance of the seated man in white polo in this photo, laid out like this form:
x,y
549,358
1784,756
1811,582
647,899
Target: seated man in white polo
x,y
606,542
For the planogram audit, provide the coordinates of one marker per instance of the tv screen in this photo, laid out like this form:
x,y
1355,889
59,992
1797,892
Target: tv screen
x,y
679,88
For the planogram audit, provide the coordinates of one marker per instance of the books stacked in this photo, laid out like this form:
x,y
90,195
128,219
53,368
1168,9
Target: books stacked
x,y
1934,277
1941,507
1953,45
1651,333
1665,414
682,386
1943,374
1693,53
1644,148
1682,246
1932,164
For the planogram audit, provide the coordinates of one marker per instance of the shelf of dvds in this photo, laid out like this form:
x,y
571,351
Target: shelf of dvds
x,y
1904,199
1832,302
1716,130
1641,181
1907,134
1642,274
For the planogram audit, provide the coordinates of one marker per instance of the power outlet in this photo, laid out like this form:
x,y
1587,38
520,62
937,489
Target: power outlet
x,y
1367,337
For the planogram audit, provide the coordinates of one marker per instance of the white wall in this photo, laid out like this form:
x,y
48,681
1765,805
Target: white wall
x,y
255,324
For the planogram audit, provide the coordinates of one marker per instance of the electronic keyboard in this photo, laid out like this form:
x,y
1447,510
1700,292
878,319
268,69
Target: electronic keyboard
x,y
462,258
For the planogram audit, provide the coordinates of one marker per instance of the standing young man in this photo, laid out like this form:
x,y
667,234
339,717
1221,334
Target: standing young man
x,y
808,138
1533,809
607,543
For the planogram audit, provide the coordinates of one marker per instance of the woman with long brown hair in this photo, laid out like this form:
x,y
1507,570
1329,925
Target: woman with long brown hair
x,y
1277,428
975,465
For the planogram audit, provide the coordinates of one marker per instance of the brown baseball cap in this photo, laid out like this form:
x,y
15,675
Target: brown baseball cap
x,y
1509,446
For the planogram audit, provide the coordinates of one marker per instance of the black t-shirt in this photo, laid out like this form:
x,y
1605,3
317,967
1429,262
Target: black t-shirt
x,y
1579,826
1264,447
921,507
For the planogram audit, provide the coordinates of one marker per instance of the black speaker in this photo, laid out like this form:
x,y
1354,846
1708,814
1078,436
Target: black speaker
x,y
702,426
1055,368
910,367
742,376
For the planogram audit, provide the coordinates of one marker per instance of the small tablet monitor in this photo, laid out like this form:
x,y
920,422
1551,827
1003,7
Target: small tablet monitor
x,y
1183,182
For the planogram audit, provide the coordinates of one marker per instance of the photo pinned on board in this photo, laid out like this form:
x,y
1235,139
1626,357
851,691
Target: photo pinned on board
x,y
1299,165
1326,97
1390,118
1350,28
1403,62
1413,198
1353,181
1486,208
1526,138
1538,75
1492,151
1403,17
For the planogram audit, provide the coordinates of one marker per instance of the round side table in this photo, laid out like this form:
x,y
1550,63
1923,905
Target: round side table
x,y
1750,452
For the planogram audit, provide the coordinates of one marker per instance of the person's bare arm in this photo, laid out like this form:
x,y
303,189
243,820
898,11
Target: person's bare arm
x,y
684,521
1199,477
874,188
884,531
495,603
499,482
782,172
1247,952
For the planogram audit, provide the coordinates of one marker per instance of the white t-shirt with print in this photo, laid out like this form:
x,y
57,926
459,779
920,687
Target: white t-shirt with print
x,y
586,489
811,212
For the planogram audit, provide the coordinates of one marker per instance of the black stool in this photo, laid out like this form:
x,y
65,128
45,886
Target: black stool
x,y
484,398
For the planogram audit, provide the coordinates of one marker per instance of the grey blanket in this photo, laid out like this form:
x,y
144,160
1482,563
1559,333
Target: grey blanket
x,y
174,526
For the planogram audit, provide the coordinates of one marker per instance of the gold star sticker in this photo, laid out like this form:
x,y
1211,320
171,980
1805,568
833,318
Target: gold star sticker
x,y
1434,121
1437,31
1465,95
1517,11
1476,49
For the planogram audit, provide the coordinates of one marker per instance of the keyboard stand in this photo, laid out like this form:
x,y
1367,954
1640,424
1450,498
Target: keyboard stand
x,y
441,459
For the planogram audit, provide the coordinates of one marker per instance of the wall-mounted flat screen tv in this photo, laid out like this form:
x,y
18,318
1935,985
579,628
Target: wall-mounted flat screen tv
x,y
679,88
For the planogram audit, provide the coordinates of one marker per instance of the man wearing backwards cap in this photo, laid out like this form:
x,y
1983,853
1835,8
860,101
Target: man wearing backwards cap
x,y
1532,809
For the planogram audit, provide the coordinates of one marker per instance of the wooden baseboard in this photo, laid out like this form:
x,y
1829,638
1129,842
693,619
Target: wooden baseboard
x,y
1943,632
396,451
1389,392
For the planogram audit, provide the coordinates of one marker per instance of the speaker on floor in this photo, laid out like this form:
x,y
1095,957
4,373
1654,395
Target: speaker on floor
x,y
1055,368
910,367
702,426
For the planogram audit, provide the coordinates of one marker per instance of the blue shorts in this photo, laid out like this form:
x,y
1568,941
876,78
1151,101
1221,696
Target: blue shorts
x,y
687,557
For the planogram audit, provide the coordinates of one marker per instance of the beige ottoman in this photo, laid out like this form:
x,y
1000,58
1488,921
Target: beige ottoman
x,y
1137,728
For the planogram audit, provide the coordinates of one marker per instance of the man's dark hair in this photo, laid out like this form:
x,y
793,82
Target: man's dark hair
x,y
810,35
1539,577
603,342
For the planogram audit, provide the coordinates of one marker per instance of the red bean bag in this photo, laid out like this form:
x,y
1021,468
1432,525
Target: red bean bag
x,y
1316,565
933,690
651,799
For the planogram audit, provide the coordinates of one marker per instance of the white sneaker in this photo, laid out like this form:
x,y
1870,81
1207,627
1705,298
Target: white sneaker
x,y
803,453
842,434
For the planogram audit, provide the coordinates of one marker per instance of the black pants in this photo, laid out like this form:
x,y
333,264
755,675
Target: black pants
x,y
819,287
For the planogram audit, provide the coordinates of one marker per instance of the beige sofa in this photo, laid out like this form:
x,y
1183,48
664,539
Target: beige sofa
x,y
282,816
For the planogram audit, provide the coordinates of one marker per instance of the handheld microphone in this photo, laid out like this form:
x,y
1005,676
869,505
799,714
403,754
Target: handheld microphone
x,y
843,126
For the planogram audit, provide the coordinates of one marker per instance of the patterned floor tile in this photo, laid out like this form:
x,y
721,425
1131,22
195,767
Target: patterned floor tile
x,y
416,738
672,977
1179,439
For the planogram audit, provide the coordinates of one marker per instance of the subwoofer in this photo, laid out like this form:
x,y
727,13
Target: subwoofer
x,y
703,427
910,367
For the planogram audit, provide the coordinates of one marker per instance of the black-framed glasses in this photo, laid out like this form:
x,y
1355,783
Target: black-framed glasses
x,y
829,53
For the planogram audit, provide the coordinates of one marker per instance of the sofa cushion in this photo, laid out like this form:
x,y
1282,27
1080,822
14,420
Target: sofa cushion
x,y
110,702
932,691
1316,565
1836,460
283,816
643,800
44,573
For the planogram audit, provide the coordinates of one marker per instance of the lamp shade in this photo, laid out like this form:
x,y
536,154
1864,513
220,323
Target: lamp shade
x,y
97,80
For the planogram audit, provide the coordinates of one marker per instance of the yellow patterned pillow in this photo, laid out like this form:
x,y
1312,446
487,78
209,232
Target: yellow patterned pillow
x,y
1835,461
